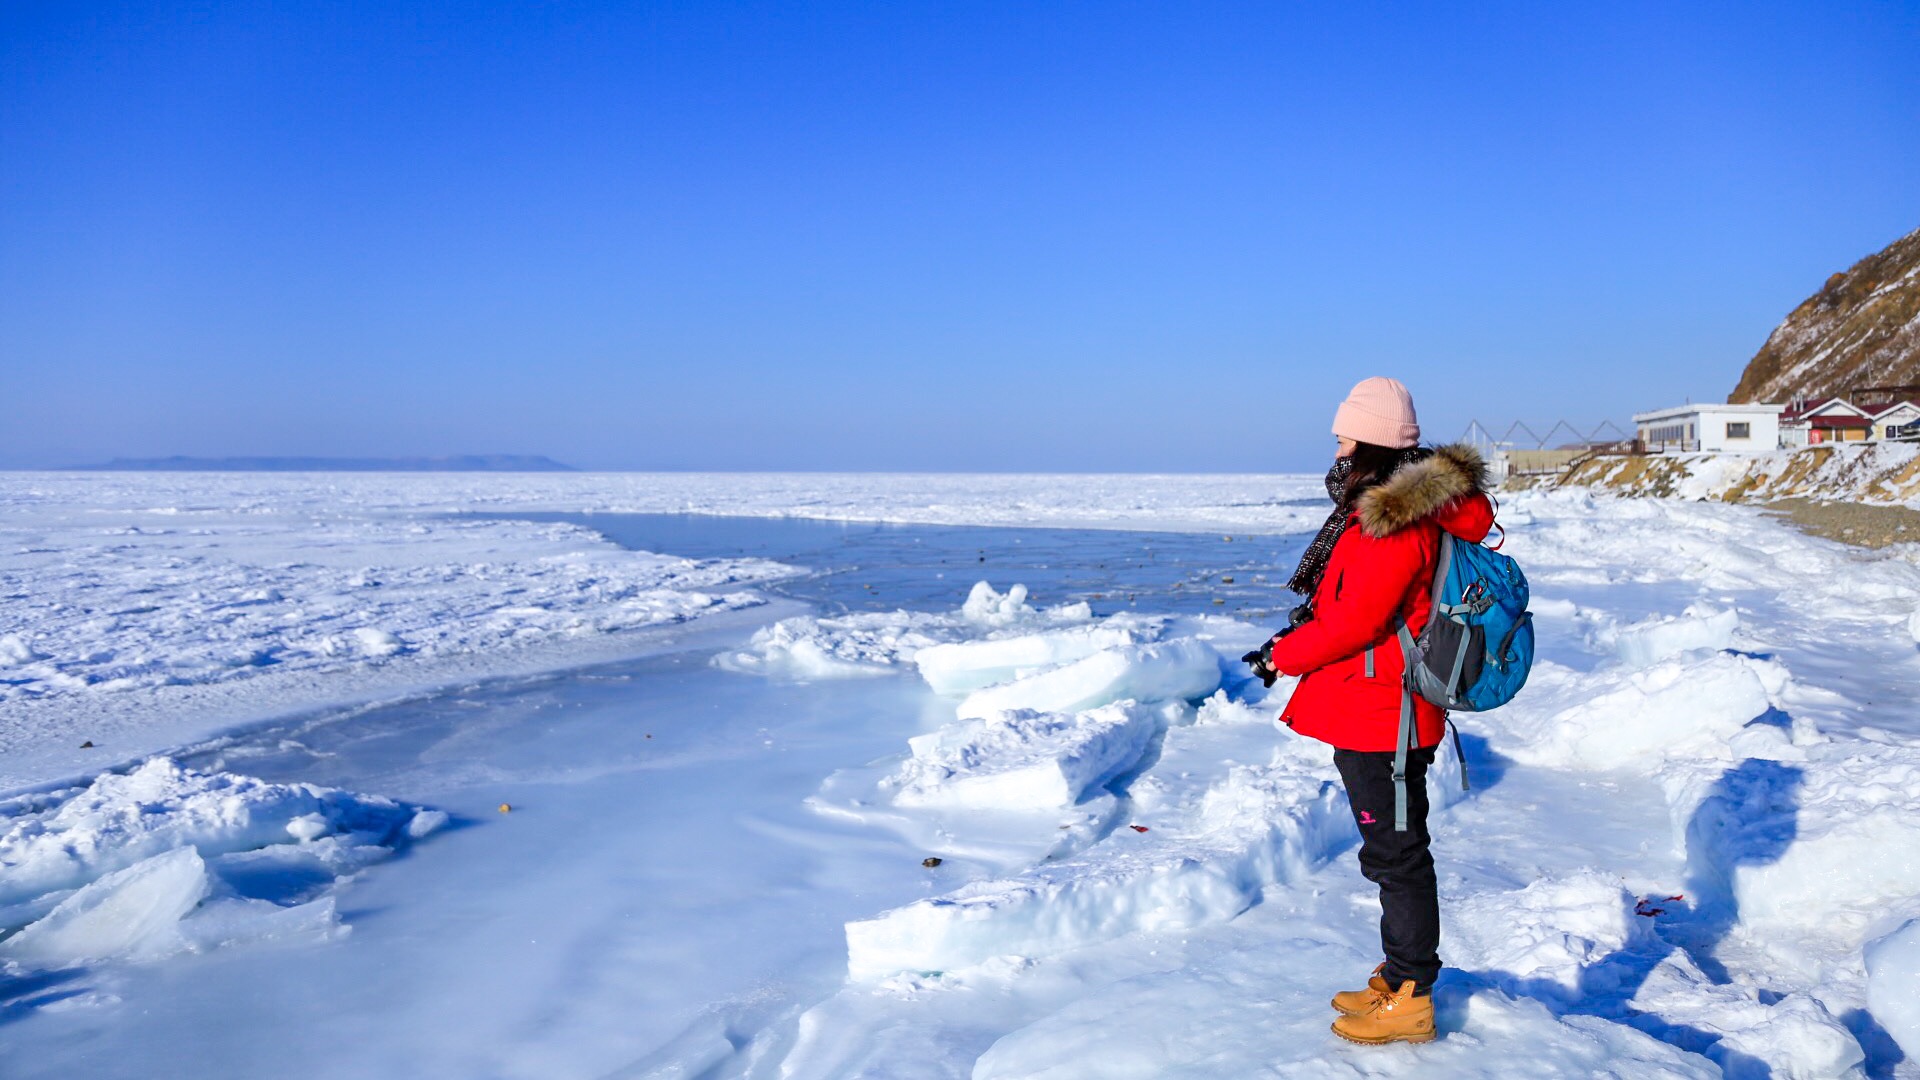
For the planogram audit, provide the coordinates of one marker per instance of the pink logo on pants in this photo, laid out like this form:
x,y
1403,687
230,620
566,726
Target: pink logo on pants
x,y
1366,817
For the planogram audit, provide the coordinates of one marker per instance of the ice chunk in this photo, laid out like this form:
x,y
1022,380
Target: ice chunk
x,y
1179,670
804,649
1645,644
1837,864
238,921
1546,934
1647,714
1204,860
1893,971
134,912
307,827
1796,1039
1023,758
67,838
425,823
1220,709
376,642
15,650
985,607
965,666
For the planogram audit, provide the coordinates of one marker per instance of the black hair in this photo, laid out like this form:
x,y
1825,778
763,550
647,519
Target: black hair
x,y
1372,464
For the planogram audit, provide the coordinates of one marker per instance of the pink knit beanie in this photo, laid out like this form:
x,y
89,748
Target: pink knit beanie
x,y
1378,411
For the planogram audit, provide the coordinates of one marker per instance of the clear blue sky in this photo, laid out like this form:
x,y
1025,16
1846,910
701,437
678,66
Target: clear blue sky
x,y
912,235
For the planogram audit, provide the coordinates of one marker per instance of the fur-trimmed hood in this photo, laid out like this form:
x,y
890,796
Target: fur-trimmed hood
x,y
1421,489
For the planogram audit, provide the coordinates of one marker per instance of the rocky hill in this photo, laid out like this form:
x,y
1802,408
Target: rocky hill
x,y
1861,329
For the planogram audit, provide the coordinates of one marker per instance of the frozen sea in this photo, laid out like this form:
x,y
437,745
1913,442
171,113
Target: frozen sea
x,y
646,806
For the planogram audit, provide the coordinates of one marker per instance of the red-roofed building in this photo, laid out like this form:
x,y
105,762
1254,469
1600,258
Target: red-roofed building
x,y
1813,421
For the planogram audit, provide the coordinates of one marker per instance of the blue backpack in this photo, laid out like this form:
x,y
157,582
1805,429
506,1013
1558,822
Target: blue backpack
x,y
1478,646
1475,651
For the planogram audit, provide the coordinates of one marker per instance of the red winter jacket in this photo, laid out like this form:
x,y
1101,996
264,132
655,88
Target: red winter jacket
x,y
1382,566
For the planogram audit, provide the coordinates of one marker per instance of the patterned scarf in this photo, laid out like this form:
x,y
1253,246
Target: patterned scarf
x,y
1313,563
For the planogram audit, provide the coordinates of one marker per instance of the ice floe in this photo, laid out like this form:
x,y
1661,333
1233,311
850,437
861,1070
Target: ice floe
x,y
163,858
1023,758
1700,627
1175,670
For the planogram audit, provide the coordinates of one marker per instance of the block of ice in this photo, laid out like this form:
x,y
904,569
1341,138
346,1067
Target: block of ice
x,y
1893,971
14,650
307,827
375,642
1544,935
134,912
64,839
964,666
1645,644
1023,758
1183,669
1642,715
1206,858
1836,865
236,921
987,608
1800,846
425,823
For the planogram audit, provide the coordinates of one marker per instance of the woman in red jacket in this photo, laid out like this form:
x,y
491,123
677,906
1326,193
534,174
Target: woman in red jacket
x,y
1371,566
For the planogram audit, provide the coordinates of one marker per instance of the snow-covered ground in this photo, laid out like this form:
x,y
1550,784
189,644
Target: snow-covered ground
x,y
1691,847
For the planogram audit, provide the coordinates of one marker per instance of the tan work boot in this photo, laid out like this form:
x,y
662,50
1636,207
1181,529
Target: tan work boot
x,y
1353,1002
1395,1016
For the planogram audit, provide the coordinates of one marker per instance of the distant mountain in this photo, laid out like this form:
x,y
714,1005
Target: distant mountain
x,y
457,463
1861,329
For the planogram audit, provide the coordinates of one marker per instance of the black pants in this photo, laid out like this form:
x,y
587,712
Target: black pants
x,y
1399,862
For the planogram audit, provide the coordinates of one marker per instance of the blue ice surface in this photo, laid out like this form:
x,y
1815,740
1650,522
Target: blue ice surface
x,y
863,566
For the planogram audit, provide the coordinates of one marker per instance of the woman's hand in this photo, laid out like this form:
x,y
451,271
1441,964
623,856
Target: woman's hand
x,y
1261,659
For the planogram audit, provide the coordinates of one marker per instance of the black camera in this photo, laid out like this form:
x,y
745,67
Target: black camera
x,y
1261,659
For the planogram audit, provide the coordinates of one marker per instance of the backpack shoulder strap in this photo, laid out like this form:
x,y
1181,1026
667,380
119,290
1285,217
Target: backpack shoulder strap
x,y
1411,657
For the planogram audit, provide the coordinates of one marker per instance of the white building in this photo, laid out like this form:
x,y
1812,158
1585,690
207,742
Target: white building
x,y
1724,429
1889,419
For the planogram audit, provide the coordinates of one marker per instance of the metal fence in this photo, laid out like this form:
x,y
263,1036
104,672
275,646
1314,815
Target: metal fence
x,y
1521,450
